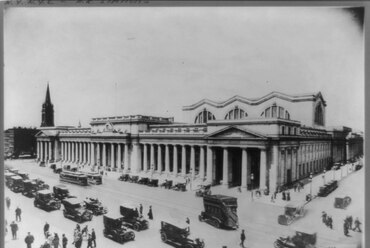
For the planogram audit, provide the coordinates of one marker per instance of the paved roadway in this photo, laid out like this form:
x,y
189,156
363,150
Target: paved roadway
x,y
258,218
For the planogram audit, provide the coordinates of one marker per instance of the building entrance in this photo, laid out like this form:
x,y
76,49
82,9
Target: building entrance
x,y
254,155
235,166
218,162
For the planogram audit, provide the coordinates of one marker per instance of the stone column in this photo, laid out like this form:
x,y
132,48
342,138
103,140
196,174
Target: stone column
x,y
159,162
80,152
294,164
119,156
274,169
145,157
38,150
201,163
263,169
112,156
41,151
209,165
56,150
175,165
167,159
225,167
50,155
192,161
104,160
347,151
74,152
244,167
135,158
183,161
91,154
69,148
126,160
152,157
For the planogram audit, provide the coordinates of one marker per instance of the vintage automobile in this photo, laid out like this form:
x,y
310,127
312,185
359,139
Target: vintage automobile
x,y
53,166
45,200
299,240
74,209
179,187
124,177
132,219
204,189
42,163
220,211
178,237
292,211
30,188
23,175
61,192
143,180
95,206
41,184
153,183
16,183
328,188
114,229
7,176
342,202
167,184
133,179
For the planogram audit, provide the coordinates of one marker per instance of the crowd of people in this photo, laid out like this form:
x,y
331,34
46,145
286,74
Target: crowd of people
x,y
347,224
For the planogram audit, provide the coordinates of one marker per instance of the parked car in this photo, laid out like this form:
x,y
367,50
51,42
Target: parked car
x,y
132,219
16,183
204,189
114,229
61,192
143,180
30,188
292,211
328,188
306,239
45,199
7,176
342,202
167,184
133,179
23,175
153,183
41,184
124,177
178,237
179,187
74,209
95,206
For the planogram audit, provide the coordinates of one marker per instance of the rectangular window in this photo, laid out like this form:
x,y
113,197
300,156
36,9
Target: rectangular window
x,y
281,112
274,111
268,115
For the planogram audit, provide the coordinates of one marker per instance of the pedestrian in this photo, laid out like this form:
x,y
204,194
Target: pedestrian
x,y
357,225
89,241
345,227
275,194
141,209
150,213
18,213
330,222
288,196
272,198
46,229
14,228
56,240
350,221
242,238
324,217
64,240
78,228
7,202
29,240
77,239
50,238
283,196
93,237
188,224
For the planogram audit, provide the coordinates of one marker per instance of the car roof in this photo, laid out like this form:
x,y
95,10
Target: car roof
x,y
129,205
44,191
9,174
295,204
16,177
62,186
73,201
112,215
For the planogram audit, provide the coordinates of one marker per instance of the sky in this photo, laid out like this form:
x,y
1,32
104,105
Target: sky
x,y
153,61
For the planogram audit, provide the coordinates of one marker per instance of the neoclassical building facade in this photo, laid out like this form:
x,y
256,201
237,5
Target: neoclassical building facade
x,y
254,143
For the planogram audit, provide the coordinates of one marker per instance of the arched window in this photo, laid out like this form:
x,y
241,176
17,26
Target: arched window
x,y
319,115
204,116
236,114
275,111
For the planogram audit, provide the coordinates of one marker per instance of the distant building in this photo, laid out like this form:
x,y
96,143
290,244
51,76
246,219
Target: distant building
x,y
20,141
262,143
47,116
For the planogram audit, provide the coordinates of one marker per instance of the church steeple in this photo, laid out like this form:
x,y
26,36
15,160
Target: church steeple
x,y
47,119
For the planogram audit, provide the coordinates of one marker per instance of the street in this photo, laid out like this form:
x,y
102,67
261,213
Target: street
x,y
258,216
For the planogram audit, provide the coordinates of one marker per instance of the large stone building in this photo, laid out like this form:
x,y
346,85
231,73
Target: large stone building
x,y
19,141
255,143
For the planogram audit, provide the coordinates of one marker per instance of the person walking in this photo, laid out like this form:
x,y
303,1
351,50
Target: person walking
x,y
29,240
283,196
330,222
345,227
242,238
89,242
350,222
150,213
46,229
141,209
18,213
288,196
7,202
64,241
56,240
14,228
93,237
137,212
357,225
188,224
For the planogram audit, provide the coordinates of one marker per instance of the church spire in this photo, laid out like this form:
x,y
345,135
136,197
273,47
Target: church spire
x,y
47,118
47,98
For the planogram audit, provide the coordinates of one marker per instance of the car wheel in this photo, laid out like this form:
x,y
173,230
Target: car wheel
x,y
163,237
200,218
35,204
136,227
132,236
79,219
216,224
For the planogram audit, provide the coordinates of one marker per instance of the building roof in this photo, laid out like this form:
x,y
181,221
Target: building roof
x,y
256,101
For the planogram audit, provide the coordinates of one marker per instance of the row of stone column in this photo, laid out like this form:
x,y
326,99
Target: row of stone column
x,y
46,151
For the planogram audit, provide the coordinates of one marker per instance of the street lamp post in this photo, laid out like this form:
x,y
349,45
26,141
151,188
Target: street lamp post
x,y
311,184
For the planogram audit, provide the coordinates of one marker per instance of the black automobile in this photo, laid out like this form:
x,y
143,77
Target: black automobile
x,y
132,219
133,179
30,188
179,187
61,192
178,237
45,200
328,188
95,206
23,175
167,184
7,176
114,229
16,183
153,183
143,180
41,184
124,177
342,202
204,189
74,209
